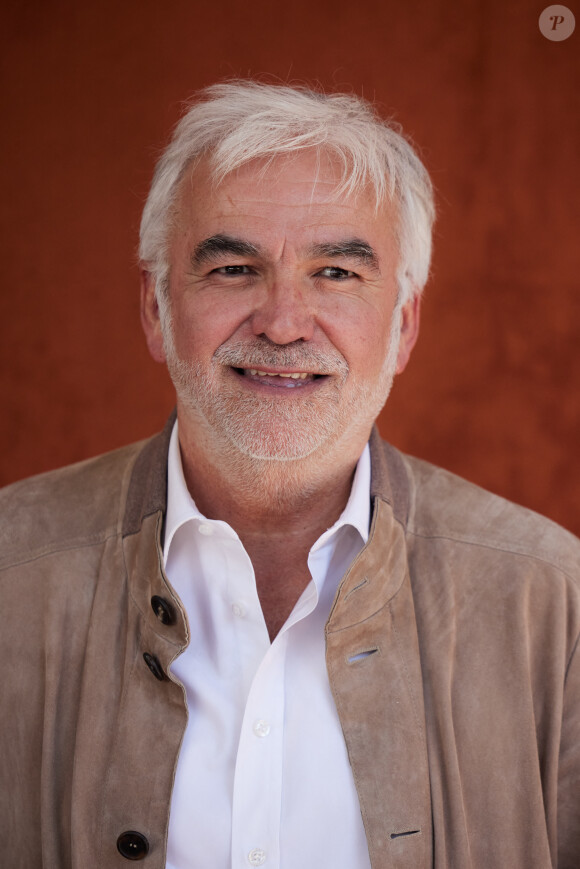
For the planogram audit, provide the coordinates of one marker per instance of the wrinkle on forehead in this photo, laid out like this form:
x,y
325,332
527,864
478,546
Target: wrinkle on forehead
x,y
316,179
320,168
288,197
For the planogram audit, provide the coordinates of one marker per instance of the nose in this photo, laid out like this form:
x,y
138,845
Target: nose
x,y
284,313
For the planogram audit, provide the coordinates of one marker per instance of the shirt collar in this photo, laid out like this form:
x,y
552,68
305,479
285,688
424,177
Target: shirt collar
x,y
357,512
181,507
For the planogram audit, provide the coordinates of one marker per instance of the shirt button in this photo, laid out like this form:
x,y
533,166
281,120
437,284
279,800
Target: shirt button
x,y
205,529
239,610
257,857
261,728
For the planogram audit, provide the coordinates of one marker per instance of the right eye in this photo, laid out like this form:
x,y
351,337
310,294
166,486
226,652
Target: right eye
x,y
232,270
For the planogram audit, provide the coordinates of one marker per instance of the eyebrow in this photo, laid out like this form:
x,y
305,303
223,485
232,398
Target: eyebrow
x,y
352,248
218,245
221,244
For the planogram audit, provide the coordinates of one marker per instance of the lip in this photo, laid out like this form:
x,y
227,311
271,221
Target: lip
x,y
287,387
274,371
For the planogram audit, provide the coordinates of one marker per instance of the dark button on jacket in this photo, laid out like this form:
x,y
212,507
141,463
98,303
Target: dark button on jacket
x,y
132,845
154,665
163,610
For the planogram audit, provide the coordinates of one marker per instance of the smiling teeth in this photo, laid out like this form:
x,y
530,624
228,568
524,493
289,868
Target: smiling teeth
x,y
297,376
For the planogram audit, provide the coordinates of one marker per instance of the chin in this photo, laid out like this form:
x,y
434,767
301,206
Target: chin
x,y
274,440
282,448
264,429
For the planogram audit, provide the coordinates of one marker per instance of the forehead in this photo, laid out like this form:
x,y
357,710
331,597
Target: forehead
x,y
296,194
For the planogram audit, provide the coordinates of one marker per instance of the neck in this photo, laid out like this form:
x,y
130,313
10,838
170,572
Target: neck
x,y
299,497
278,508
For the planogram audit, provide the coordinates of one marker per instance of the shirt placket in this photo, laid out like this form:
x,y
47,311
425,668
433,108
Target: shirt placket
x,y
257,797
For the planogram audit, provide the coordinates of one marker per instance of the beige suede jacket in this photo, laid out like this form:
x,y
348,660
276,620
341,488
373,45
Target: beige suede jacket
x,y
450,649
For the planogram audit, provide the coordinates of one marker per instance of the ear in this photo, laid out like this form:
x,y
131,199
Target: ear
x,y
410,316
150,319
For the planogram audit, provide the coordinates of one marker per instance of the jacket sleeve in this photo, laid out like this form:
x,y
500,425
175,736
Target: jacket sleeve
x,y
569,770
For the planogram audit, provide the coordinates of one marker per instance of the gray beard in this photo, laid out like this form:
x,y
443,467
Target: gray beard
x,y
263,428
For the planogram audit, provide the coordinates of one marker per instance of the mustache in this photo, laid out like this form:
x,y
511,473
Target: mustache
x,y
242,354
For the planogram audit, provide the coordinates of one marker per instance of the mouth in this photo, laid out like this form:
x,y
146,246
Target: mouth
x,y
279,379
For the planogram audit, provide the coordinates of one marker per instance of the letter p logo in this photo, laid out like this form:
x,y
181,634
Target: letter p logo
x,y
557,23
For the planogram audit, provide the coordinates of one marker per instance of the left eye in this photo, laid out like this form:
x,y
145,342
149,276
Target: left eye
x,y
336,274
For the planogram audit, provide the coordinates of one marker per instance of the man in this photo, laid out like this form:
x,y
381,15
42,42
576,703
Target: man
x,y
266,638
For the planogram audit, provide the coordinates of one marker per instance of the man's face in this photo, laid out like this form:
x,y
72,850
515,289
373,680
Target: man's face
x,y
281,309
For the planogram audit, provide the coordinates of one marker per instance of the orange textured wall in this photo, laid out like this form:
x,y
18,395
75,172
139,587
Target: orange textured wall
x,y
90,92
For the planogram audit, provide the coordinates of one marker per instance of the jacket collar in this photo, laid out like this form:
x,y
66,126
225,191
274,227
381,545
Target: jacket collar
x,y
148,487
389,480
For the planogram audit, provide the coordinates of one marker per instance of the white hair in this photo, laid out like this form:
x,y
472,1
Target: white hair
x,y
238,121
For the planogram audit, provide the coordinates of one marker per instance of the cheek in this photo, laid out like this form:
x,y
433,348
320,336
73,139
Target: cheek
x,y
201,325
361,335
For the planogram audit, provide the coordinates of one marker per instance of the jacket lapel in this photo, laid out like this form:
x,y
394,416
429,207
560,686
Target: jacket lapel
x,y
375,675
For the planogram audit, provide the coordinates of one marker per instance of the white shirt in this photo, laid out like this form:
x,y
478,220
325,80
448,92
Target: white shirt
x,y
263,777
